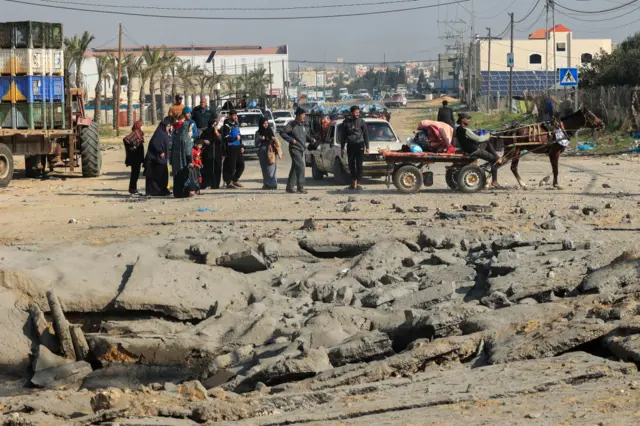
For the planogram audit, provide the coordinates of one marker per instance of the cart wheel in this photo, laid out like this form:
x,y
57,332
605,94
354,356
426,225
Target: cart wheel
x,y
408,179
452,178
471,179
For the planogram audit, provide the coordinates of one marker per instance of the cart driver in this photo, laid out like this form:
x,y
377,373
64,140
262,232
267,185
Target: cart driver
x,y
476,146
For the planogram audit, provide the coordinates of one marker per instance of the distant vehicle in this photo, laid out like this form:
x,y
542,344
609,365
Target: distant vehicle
x,y
282,118
343,91
326,158
266,112
397,100
361,94
402,89
249,120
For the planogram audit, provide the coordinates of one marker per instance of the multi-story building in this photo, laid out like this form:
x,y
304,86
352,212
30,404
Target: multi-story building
x,y
532,57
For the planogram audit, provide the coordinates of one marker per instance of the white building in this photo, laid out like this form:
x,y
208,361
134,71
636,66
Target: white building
x,y
230,60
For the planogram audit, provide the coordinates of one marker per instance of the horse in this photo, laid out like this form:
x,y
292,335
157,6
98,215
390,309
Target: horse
x,y
538,139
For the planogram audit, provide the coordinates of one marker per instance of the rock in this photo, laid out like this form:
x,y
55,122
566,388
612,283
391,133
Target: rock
x,y
62,375
606,186
383,258
553,225
589,210
622,273
193,390
568,245
477,209
309,225
46,359
496,300
246,262
438,239
262,388
331,246
440,320
390,279
400,210
349,207
608,206
624,342
376,202
445,258
109,399
514,315
300,367
427,297
80,345
387,294
508,242
131,376
217,393
362,347
451,215
72,220
421,209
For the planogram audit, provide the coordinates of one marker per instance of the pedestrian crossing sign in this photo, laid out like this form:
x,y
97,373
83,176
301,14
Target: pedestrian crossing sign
x,y
568,77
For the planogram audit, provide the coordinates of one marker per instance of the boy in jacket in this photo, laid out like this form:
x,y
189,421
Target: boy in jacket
x,y
297,135
356,137
234,161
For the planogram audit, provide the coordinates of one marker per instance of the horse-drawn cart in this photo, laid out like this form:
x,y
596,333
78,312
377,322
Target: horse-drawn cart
x,y
408,171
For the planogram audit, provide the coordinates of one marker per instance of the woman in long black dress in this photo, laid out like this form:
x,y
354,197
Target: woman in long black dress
x,y
212,155
157,174
134,146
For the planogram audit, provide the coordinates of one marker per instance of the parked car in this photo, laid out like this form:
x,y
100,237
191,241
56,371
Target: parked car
x,y
269,116
249,120
397,100
326,159
361,94
282,118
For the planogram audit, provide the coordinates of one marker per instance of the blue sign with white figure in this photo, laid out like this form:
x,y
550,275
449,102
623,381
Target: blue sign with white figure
x,y
568,77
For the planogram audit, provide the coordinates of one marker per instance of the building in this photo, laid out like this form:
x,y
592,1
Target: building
x,y
447,74
229,60
533,56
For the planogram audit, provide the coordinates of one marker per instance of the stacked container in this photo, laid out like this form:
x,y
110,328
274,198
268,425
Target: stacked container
x,y
31,76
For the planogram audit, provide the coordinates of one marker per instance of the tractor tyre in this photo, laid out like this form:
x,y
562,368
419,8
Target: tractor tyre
x,y
6,165
90,151
32,164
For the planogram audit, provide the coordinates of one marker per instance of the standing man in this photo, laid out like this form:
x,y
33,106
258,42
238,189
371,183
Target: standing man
x,y
297,135
234,161
356,137
445,114
202,115
175,112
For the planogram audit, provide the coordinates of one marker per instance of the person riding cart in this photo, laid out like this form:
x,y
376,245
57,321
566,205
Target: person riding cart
x,y
478,147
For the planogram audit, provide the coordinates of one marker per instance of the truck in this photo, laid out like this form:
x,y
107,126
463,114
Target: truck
x,y
41,117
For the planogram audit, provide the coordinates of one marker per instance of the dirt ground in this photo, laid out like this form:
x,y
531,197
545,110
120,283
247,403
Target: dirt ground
x,y
68,208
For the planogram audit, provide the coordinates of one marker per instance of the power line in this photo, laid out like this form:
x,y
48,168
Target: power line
x,y
271,18
243,9
534,23
528,14
498,14
591,12
598,19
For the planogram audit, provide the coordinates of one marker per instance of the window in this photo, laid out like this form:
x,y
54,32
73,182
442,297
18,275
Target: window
x,y
561,47
535,59
586,58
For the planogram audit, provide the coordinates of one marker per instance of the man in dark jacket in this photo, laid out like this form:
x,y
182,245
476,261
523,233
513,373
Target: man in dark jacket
x,y
445,114
356,137
477,146
212,154
297,136
202,115
234,161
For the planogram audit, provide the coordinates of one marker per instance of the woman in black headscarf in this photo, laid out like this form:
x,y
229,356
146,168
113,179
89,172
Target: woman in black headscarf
x,y
157,174
212,154
268,150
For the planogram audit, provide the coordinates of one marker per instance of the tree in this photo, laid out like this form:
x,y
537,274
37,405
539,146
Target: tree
x,y
257,82
187,73
143,74
617,68
104,63
202,79
167,63
76,47
152,63
132,67
113,71
213,82
174,77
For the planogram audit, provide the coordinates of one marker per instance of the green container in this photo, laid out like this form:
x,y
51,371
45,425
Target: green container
x,y
6,35
7,116
22,116
38,115
57,115
54,36
29,35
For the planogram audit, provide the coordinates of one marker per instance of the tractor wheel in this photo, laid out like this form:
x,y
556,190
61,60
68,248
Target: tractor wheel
x,y
316,174
32,164
408,179
452,178
471,179
339,174
90,151
6,165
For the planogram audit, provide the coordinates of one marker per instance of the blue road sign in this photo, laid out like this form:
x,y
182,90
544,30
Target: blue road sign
x,y
568,77
510,60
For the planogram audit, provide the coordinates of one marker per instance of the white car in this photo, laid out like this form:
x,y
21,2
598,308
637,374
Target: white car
x,y
282,118
267,114
326,159
249,120
361,94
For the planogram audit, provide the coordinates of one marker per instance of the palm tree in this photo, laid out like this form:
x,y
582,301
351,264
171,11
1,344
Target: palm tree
x,y
152,61
167,63
143,73
235,84
258,82
104,63
113,71
69,47
174,77
131,65
203,80
213,82
77,47
187,73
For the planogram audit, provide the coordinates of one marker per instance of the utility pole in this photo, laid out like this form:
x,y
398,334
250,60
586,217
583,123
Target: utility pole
x,y
555,47
472,56
284,88
489,75
546,43
270,88
116,110
510,69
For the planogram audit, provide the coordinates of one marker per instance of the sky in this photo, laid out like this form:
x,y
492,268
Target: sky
x,y
411,35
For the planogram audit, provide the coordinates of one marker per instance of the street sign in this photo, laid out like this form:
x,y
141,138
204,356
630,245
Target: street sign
x,y
568,77
510,60
275,92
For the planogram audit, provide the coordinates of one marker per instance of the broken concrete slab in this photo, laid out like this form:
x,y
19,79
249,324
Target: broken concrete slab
x,y
331,245
131,376
387,294
246,262
362,347
514,315
62,375
46,359
621,275
624,341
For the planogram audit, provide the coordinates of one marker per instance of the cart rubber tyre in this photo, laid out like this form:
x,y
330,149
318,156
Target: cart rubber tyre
x,y
471,179
6,165
452,179
408,179
90,151
32,166
339,174
316,174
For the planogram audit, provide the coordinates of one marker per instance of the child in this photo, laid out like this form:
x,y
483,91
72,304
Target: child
x,y
197,162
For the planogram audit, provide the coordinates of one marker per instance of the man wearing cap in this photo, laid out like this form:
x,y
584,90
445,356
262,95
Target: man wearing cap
x,y
234,161
477,146
176,109
356,137
297,135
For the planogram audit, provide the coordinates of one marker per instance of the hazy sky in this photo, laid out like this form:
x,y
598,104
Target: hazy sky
x,y
402,36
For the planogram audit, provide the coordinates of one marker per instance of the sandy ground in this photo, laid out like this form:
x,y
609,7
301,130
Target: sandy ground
x,y
36,211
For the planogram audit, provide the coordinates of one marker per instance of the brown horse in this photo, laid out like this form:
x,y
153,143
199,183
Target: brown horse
x,y
537,139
